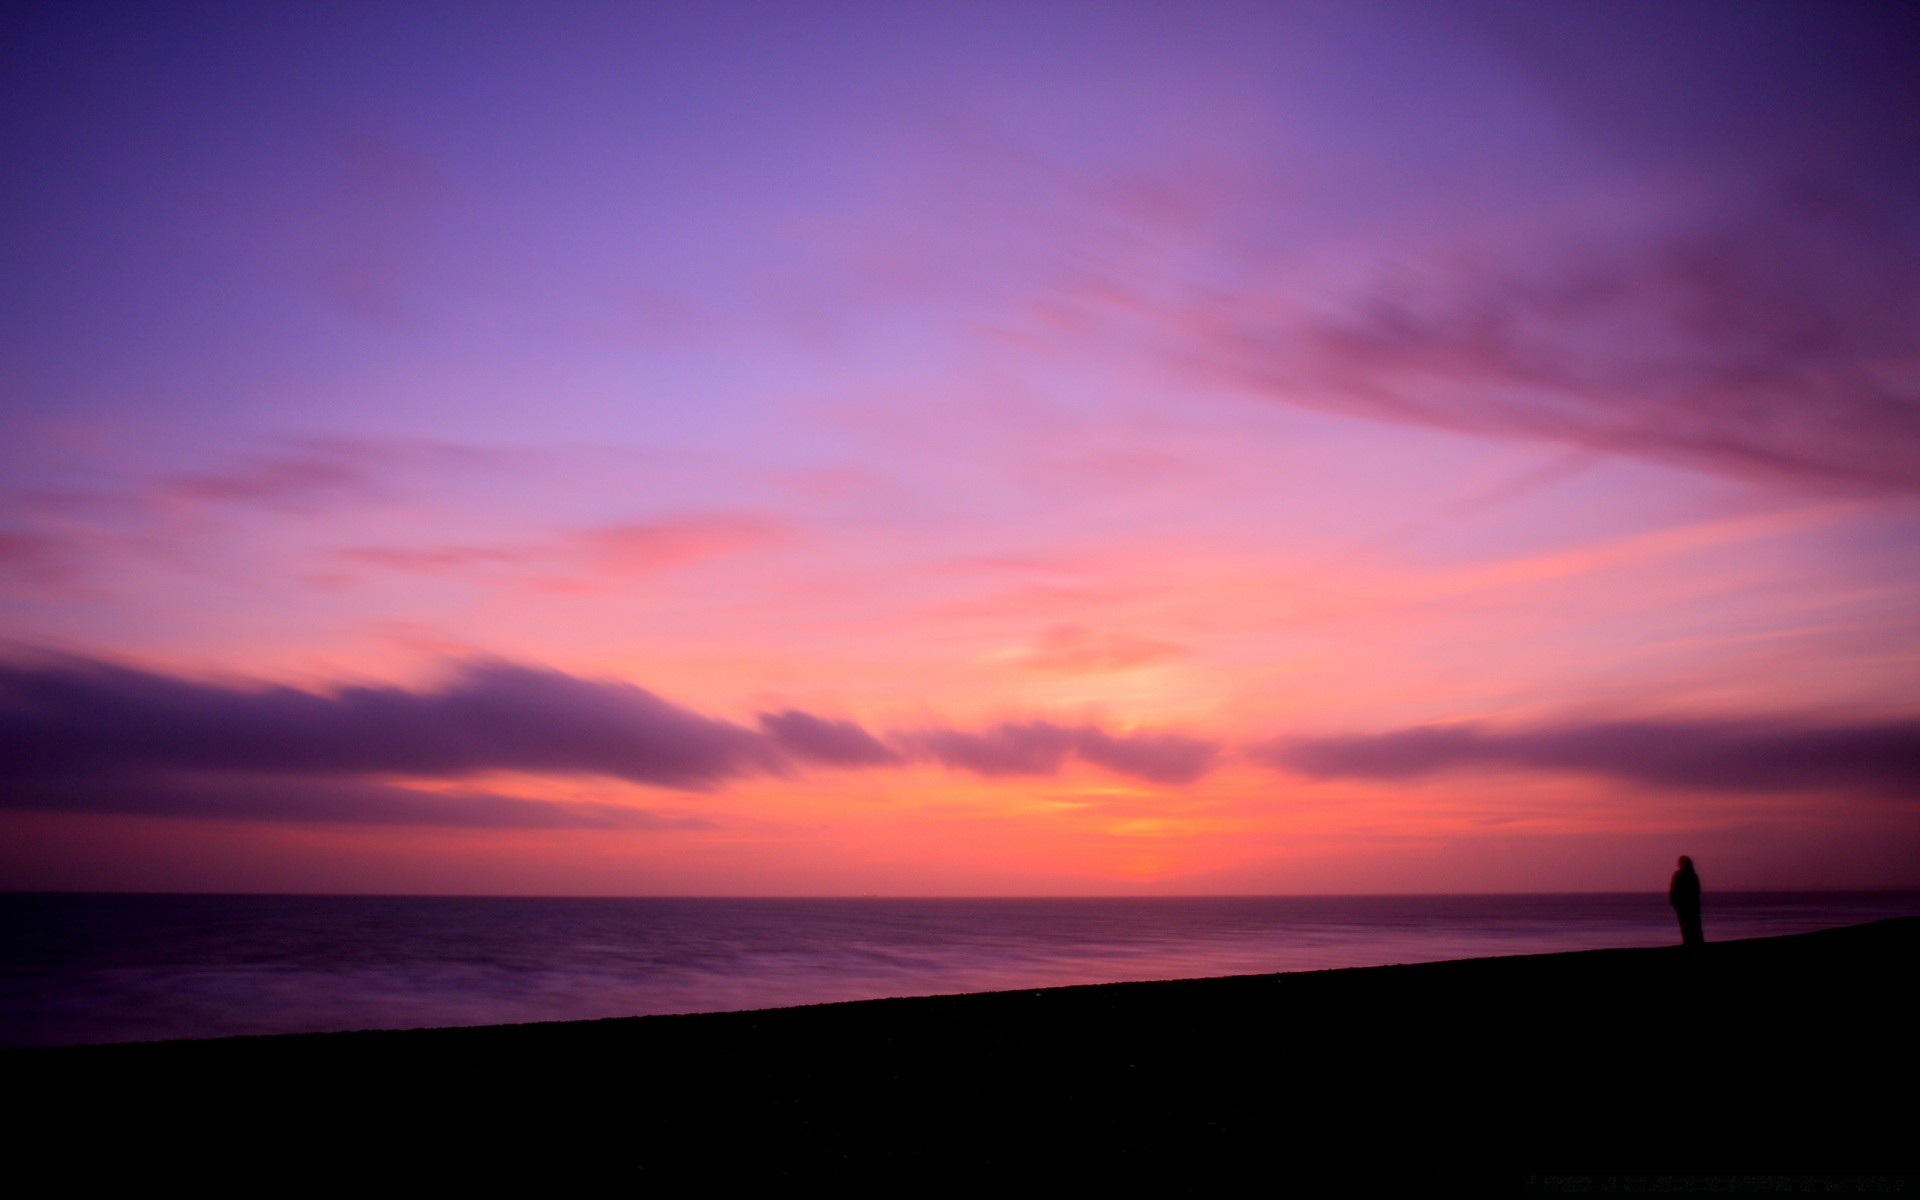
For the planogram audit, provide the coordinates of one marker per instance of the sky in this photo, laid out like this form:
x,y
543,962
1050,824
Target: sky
x,y
959,449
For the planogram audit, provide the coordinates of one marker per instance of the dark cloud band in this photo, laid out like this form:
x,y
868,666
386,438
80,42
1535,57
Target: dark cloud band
x,y
1041,748
83,735
306,801
1749,756
92,717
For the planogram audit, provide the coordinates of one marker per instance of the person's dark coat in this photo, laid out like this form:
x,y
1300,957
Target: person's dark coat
x,y
1684,894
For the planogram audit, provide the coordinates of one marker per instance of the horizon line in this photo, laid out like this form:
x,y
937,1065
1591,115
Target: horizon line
x,y
1802,891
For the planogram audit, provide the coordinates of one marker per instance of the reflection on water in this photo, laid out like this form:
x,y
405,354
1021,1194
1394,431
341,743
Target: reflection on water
x,y
95,968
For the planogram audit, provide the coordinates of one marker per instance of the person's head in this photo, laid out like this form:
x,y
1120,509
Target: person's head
x,y
1686,864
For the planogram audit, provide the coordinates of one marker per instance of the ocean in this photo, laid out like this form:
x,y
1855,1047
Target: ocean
x,y
78,968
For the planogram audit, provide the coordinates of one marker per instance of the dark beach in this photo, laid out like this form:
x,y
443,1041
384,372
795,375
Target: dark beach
x,y
1636,1069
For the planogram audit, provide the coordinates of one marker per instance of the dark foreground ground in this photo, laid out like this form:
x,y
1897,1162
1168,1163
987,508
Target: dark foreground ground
x,y
1769,1058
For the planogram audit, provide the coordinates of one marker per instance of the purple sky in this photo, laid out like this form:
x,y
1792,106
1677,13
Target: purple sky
x,y
959,448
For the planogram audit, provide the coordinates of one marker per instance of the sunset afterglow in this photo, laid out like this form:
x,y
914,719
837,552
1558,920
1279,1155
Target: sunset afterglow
x,y
736,449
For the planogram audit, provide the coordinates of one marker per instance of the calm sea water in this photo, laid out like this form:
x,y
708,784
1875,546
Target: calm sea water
x,y
106,968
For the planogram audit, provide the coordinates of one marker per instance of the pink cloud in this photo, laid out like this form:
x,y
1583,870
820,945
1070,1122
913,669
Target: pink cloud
x,y
301,474
34,558
1071,650
583,560
435,560
282,481
642,546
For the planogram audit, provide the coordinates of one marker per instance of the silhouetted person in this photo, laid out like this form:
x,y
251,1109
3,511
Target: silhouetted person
x,y
1684,894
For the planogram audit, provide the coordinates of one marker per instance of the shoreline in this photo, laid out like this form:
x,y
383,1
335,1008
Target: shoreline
x,y
101,969
1756,1056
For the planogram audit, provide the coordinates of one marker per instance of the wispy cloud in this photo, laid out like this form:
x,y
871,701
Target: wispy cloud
x,y
1773,343
290,480
34,557
641,546
584,559
435,560
288,475
304,474
1071,650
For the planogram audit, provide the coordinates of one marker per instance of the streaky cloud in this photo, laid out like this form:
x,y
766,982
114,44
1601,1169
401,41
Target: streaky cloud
x,y
34,557
1070,650
292,480
642,546
1772,344
311,473
1755,755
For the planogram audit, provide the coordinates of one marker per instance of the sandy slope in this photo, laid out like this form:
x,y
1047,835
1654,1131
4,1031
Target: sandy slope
x,y
1792,1054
